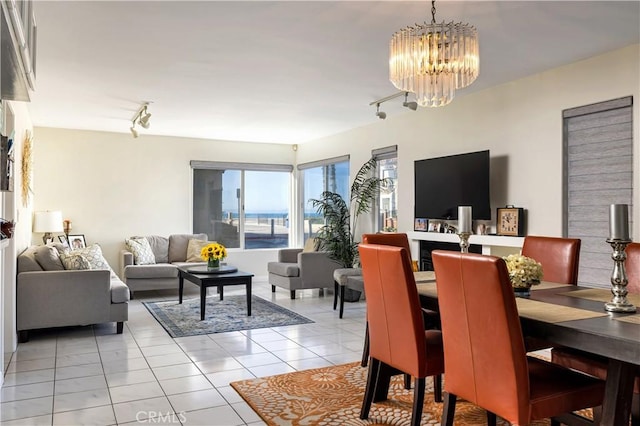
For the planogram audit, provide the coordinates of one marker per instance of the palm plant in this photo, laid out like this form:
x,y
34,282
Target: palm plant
x,y
337,235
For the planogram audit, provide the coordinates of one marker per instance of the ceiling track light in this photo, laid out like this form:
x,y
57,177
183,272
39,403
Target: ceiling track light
x,y
382,115
141,118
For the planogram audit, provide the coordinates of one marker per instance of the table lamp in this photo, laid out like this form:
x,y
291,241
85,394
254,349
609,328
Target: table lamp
x,y
47,222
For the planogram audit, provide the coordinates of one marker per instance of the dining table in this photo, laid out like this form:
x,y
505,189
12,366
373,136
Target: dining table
x,y
574,316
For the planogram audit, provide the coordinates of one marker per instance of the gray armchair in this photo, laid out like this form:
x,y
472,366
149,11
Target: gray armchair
x,y
298,270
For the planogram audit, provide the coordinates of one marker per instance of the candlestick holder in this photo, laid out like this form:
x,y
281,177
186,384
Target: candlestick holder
x,y
619,302
464,241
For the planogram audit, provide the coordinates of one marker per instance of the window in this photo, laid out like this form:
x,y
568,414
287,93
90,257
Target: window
x,y
317,177
387,206
242,205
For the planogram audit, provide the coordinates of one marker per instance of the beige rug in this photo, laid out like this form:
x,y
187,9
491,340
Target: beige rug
x,y
333,396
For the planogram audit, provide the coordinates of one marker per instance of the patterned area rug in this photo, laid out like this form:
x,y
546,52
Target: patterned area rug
x,y
333,396
230,314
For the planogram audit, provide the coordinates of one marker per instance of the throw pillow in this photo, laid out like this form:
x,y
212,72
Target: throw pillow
x,y
141,250
194,248
310,245
74,261
48,258
94,256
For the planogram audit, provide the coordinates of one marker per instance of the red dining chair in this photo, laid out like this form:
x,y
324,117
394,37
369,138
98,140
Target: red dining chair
x,y
560,257
398,341
597,366
484,353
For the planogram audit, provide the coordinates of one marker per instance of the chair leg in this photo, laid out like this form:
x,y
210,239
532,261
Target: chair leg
x,y
491,419
437,388
635,410
449,409
407,381
119,327
365,350
372,378
418,400
23,336
293,295
273,289
335,294
341,300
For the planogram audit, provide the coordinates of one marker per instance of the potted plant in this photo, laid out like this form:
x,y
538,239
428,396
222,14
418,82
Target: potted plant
x,y
336,236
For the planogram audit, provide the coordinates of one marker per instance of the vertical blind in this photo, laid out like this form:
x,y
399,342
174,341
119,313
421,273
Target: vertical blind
x,y
598,157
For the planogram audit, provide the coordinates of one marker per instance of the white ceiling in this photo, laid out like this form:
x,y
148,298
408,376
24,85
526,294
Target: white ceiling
x,y
283,72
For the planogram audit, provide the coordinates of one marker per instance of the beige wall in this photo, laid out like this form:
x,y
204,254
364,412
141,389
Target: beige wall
x,y
519,122
113,186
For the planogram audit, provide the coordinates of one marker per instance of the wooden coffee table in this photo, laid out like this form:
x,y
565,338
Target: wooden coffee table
x,y
204,279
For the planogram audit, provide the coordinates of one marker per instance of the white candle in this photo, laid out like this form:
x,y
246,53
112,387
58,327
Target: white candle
x,y
464,219
619,222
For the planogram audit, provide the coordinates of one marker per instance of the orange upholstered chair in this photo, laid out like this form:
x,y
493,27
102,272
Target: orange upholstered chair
x,y
560,257
597,366
399,342
484,352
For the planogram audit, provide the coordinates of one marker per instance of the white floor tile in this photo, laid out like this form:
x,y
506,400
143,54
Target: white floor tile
x,y
169,359
135,392
80,400
79,371
139,411
218,416
185,384
97,416
178,370
26,408
24,378
80,384
35,390
36,364
197,400
30,421
130,377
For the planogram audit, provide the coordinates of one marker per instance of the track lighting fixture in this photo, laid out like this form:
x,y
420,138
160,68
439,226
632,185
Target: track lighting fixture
x,y
142,118
382,115
411,105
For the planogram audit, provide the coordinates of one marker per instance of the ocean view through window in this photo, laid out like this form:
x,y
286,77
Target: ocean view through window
x,y
242,206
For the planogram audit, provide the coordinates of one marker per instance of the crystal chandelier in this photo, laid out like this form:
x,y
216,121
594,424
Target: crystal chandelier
x,y
433,60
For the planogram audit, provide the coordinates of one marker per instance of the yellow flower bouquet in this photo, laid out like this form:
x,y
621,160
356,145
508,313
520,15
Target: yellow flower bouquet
x,y
523,271
213,253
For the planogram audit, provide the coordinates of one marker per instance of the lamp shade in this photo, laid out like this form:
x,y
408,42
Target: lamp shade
x,y
49,221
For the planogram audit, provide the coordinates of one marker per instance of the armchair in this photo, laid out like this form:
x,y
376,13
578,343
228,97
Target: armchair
x,y
298,270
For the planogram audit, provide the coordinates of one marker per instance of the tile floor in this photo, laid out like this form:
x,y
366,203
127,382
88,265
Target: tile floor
x,y
91,376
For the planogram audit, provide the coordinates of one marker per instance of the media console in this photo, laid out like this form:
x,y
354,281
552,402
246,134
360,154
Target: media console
x,y
485,244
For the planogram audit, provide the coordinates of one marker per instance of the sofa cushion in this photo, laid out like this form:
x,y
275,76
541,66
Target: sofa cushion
x,y
119,290
74,261
48,258
160,247
283,269
141,250
93,254
159,270
27,260
194,248
178,245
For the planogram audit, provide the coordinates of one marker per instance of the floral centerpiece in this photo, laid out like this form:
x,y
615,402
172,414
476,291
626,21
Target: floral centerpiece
x,y
523,271
213,253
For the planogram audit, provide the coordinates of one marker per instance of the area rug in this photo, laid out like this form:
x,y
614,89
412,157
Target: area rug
x,y
333,396
230,314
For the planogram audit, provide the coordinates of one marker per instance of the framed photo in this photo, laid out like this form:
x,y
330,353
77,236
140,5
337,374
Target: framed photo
x,y
435,226
420,224
76,241
63,240
510,221
48,240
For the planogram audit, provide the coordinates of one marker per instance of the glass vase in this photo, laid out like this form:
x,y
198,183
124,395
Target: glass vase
x,y
213,263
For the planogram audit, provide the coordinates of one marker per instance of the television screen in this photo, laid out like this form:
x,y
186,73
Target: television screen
x,y
444,183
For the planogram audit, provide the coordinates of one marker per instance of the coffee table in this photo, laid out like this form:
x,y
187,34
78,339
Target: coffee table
x,y
219,278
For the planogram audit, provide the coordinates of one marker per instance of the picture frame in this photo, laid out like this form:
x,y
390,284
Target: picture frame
x,y
63,240
420,224
76,241
510,221
435,226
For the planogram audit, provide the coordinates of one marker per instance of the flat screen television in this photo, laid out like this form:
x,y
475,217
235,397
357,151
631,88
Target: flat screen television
x,y
444,183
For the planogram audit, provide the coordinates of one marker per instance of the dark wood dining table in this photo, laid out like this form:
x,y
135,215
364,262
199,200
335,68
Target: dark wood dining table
x,y
574,316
